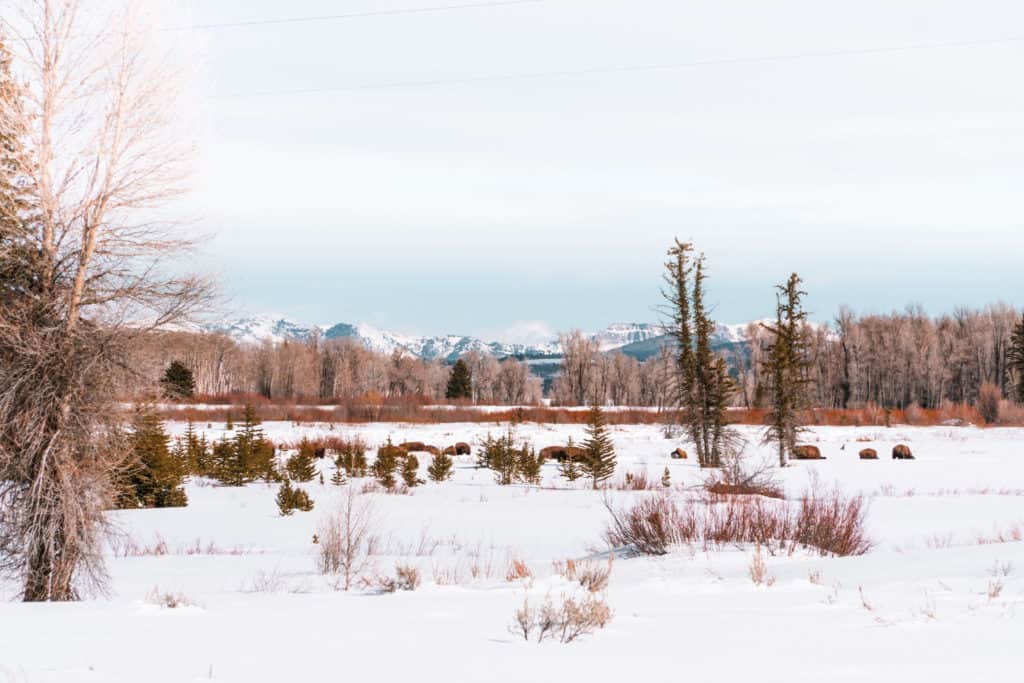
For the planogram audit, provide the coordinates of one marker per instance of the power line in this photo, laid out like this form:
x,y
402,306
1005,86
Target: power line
x,y
354,15
634,68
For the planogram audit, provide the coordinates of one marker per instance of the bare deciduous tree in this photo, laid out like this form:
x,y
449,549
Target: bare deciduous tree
x,y
346,538
101,156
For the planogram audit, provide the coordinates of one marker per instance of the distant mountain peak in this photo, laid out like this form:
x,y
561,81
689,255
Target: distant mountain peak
x,y
274,328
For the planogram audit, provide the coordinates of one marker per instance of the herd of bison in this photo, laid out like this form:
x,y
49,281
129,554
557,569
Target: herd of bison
x,y
563,453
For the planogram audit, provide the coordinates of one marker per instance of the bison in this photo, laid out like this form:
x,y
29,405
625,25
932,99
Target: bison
x,y
807,453
320,453
413,446
459,448
902,452
678,454
869,454
562,453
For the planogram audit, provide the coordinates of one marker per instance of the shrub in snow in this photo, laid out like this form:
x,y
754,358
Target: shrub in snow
x,y
440,468
301,467
564,620
291,498
347,537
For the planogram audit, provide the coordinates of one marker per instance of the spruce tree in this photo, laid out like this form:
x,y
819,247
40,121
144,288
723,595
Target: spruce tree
x,y
528,466
440,468
599,461
255,455
291,498
178,382
787,368
155,476
1017,359
386,464
568,468
338,478
501,456
410,470
352,457
702,383
460,382
301,467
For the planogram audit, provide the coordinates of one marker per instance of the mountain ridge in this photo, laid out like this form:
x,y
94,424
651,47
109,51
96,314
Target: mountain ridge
x,y
263,327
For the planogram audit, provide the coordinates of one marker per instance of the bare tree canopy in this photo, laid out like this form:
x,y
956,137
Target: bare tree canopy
x,y
86,117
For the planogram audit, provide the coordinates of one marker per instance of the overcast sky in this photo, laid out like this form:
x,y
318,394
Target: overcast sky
x,y
424,188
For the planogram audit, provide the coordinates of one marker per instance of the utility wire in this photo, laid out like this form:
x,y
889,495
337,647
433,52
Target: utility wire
x,y
354,15
634,68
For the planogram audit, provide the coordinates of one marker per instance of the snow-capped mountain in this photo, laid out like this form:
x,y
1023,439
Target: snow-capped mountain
x,y
267,327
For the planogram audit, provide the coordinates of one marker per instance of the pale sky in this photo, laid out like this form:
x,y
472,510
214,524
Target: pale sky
x,y
424,189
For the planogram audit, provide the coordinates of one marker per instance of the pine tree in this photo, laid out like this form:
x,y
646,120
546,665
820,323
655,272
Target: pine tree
x,y
1017,358
197,452
666,478
703,385
460,382
440,468
291,498
155,476
338,478
568,468
528,466
352,457
410,470
178,382
501,456
285,495
787,368
301,467
254,453
599,462
386,464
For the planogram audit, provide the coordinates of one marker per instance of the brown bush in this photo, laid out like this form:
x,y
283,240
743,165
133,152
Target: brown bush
x,y
989,397
826,521
568,620
593,576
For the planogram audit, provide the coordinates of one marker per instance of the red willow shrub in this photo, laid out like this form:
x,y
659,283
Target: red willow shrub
x,y
826,521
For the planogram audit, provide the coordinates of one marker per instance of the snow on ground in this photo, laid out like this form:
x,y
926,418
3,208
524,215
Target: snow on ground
x,y
915,608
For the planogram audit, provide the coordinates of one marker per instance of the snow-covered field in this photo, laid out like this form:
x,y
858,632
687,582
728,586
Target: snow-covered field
x,y
940,597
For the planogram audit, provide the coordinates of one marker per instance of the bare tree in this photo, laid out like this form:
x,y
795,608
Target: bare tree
x,y
346,538
101,156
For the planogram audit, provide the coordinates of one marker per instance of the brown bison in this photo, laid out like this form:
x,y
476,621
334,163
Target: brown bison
x,y
678,454
459,448
902,452
413,446
320,453
562,453
869,454
807,453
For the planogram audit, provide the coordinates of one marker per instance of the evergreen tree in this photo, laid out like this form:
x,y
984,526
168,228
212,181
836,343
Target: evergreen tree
x,y
301,467
502,457
460,382
338,478
666,478
787,368
1017,359
17,203
528,465
178,382
229,423
569,468
599,462
352,457
197,452
702,381
440,468
386,464
255,454
291,498
410,470
155,476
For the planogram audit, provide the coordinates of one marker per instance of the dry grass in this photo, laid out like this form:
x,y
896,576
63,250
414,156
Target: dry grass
x,y
517,571
565,621
169,599
592,576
